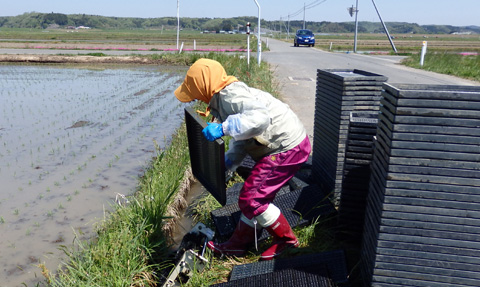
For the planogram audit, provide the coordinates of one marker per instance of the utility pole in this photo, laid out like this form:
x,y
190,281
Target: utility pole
x,y
356,27
352,10
285,26
259,49
385,28
303,15
248,44
178,22
288,27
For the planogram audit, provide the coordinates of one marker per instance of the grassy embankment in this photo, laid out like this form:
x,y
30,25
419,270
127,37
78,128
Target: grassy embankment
x,y
404,43
463,66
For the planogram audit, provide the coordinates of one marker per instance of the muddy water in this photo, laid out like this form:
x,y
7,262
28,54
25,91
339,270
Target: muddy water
x,y
71,141
185,223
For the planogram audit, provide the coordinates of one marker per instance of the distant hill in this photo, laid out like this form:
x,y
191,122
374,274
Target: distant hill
x,y
58,20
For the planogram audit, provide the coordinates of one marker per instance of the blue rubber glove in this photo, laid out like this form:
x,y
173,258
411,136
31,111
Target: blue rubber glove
x,y
213,131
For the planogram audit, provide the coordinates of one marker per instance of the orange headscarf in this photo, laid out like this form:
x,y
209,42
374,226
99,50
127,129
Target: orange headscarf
x,y
204,79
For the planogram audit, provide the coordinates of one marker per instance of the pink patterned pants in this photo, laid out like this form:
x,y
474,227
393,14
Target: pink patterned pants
x,y
267,177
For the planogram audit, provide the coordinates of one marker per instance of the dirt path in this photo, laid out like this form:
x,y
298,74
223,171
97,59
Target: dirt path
x,y
76,59
50,52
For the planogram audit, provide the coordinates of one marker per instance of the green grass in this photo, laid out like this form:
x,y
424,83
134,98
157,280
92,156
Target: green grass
x,y
253,75
96,54
130,247
447,63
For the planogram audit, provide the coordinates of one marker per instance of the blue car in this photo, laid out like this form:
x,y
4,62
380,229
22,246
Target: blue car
x,y
304,37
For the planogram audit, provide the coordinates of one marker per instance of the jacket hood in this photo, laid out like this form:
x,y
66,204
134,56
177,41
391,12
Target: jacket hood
x,y
205,78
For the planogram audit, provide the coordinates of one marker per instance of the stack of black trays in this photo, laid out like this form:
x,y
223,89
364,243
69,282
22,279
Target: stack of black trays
x,y
423,209
358,156
338,93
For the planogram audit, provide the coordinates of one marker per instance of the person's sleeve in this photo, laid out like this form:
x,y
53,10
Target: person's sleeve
x,y
251,120
235,154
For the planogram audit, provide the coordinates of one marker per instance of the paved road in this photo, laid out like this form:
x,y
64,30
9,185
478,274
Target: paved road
x,y
296,69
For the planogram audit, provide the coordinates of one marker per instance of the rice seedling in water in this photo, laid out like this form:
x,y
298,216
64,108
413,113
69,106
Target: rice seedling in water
x,y
46,127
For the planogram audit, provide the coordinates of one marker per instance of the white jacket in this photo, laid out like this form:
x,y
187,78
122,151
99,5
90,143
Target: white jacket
x,y
258,123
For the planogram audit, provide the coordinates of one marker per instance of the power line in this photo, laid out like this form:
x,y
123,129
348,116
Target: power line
x,y
306,7
314,4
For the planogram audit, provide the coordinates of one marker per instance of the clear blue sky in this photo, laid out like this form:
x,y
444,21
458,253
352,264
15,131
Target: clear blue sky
x,y
449,12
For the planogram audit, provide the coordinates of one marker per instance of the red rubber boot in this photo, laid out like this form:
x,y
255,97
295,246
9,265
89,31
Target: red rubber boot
x,y
238,243
283,238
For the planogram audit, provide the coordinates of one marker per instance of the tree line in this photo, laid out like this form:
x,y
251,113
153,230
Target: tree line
x,y
49,20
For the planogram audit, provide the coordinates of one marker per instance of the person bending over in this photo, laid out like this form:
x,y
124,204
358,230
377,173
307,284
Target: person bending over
x,y
264,128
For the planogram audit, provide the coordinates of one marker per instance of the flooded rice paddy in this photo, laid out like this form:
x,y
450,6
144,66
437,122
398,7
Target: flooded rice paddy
x,y
71,142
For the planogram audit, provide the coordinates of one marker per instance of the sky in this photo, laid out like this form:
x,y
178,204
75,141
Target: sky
x,y
423,12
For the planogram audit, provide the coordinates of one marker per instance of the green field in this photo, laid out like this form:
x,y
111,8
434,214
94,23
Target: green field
x,y
405,43
118,37
151,38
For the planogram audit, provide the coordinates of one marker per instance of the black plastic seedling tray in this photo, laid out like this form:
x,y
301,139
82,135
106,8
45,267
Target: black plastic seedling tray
x,y
207,158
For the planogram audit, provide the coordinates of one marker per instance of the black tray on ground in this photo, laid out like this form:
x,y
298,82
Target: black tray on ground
x,y
233,192
284,278
334,261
